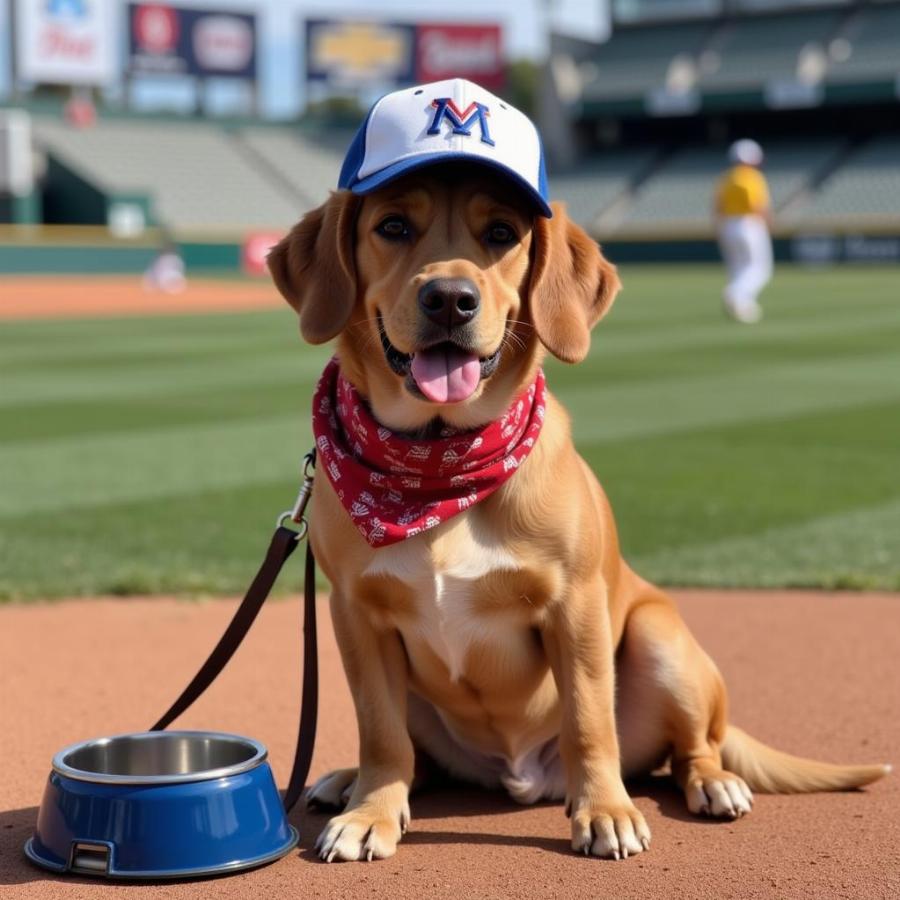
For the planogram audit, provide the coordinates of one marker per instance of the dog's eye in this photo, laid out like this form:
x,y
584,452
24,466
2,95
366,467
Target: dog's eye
x,y
394,228
500,233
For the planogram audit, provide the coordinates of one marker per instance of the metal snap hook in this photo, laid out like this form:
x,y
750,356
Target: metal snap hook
x,y
296,513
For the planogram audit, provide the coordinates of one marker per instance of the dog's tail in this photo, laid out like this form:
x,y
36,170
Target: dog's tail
x,y
770,771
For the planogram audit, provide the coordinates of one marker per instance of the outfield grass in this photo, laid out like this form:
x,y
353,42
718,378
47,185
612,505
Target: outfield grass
x,y
152,454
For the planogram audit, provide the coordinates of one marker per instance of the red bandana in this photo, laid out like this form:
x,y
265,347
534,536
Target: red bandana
x,y
394,487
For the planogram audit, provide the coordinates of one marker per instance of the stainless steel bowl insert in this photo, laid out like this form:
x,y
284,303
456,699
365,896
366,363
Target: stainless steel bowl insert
x,y
154,757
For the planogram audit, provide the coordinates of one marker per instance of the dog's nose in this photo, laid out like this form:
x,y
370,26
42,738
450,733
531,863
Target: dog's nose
x,y
449,301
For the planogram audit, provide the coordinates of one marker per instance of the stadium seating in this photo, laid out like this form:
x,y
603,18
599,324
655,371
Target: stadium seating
x,y
679,194
591,189
864,190
872,39
793,166
747,52
741,54
308,166
635,61
198,175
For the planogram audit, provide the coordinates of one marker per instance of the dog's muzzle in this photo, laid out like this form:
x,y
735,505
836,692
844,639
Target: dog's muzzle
x,y
441,371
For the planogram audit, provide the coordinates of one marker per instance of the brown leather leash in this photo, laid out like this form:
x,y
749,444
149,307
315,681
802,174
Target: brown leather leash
x,y
282,545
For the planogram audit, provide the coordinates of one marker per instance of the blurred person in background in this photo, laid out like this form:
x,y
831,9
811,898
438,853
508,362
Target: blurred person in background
x,y
743,220
166,273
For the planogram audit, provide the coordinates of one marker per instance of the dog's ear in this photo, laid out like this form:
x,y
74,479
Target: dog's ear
x,y
314,269
572,286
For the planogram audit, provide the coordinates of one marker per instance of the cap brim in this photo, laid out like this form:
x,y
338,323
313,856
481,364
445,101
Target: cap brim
x,y
414,163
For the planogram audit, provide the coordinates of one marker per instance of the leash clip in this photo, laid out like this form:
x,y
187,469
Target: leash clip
x,y
296,513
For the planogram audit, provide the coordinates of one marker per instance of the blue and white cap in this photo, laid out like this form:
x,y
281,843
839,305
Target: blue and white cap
x,y
439,122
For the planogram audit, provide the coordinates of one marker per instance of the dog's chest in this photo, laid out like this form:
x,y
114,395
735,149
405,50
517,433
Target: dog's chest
x,y
447,581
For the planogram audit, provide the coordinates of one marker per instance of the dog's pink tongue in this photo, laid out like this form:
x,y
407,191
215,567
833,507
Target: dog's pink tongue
x,y
446,375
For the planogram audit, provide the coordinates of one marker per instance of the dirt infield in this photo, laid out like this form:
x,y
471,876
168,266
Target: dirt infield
x,y
815,674
76,296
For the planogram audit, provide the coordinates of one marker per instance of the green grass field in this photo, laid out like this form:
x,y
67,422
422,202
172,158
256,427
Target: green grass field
x,y
152,454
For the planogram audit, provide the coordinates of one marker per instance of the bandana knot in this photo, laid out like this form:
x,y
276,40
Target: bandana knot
x,y
395,487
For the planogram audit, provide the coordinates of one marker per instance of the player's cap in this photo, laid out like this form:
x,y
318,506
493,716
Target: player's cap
x,y
440,122
746,152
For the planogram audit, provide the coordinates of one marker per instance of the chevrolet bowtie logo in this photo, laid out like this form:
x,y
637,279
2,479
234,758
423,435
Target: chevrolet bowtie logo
x,y
359,47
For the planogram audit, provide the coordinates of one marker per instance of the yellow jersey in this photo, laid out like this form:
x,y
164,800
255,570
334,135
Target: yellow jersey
x,y
742,191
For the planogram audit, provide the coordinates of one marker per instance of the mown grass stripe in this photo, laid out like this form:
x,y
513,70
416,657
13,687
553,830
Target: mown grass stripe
x,y
170,336
199,542
721,339
854,550
74,418
617,410
95,470
682,489
652,292
104,328
142,352
300,365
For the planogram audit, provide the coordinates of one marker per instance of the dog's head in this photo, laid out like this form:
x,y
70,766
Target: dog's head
x,y
445,286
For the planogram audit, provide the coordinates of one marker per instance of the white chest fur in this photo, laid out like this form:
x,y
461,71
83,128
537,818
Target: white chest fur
x,y
444,578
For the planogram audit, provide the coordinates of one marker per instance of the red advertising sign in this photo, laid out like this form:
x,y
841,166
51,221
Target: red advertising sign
x,y
460,51
256,248
155,28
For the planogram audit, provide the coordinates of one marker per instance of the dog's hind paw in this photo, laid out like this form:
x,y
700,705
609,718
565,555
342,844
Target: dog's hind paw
x,y
721,796
332,791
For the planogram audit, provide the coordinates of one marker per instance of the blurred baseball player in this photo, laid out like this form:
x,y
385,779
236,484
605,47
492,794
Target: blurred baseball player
x,y
743,218
166,273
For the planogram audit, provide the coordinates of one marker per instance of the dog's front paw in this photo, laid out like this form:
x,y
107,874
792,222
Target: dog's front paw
x,y
613,831
370,831
720,794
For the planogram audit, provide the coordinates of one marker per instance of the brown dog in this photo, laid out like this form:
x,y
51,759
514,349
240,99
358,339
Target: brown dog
x,y
512,644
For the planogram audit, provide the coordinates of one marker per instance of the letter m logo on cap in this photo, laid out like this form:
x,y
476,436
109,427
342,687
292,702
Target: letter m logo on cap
x,y
460,120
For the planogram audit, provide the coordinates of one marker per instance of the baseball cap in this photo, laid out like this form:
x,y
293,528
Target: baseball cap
x,y
446,120
746,152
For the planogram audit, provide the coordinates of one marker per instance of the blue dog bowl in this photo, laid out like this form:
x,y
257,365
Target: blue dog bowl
x,y
160,804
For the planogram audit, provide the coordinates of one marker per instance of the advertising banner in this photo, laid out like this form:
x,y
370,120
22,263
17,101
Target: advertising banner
x,y
255,250
356,54
460,51
66,41
169,40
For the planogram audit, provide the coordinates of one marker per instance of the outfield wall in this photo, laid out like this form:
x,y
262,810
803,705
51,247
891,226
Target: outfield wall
x,y
91,251
41,249
809,249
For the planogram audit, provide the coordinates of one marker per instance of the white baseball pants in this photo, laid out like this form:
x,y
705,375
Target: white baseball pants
x,y
747,250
